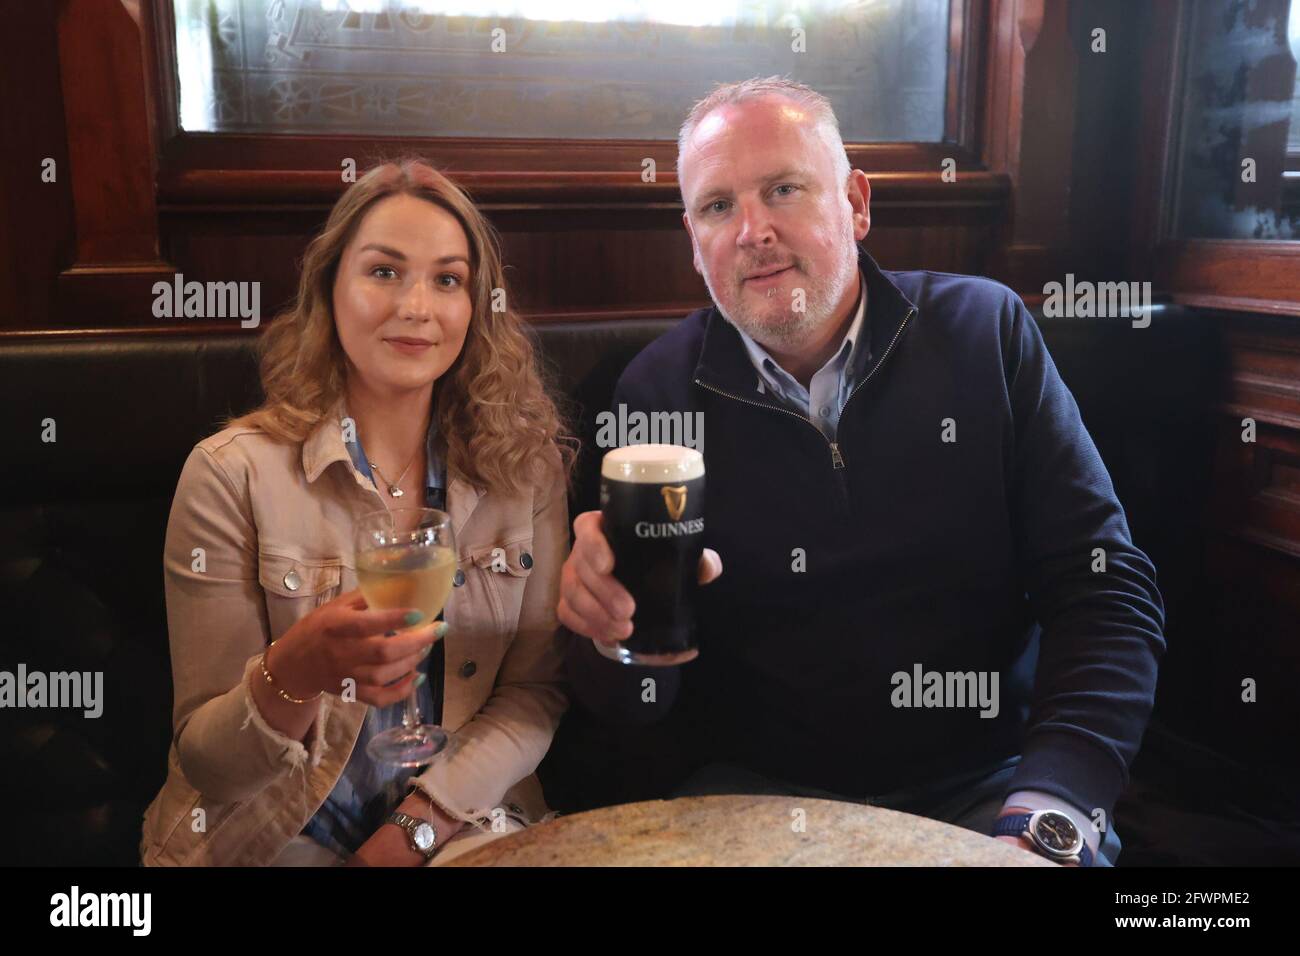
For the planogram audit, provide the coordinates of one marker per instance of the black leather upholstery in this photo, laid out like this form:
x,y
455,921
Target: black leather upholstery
x,y
82,521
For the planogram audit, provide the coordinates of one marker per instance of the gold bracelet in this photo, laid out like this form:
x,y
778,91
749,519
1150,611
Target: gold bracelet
x,y
283,695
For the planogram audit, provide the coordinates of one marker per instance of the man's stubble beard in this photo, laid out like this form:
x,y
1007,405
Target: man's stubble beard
x,y
785,329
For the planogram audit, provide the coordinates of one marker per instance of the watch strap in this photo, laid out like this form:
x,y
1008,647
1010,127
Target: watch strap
x,y
1012,825
1016,824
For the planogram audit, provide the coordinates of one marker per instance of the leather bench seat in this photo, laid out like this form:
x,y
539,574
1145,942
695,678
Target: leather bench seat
x,y
82,522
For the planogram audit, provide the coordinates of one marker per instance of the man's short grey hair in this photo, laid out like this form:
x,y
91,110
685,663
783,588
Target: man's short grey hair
x,y
818,106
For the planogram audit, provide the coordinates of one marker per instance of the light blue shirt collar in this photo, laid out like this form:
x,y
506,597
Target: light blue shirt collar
x,y
435,475
829,387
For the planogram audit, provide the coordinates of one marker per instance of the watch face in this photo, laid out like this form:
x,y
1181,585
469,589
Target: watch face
x,y
423,836
1057,832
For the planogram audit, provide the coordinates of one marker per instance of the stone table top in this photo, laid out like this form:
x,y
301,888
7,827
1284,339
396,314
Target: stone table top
x,y
746,831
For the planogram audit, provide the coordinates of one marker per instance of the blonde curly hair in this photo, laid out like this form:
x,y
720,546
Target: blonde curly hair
x,y
501,429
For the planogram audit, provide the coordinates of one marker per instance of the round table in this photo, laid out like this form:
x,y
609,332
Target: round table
x,y
746,831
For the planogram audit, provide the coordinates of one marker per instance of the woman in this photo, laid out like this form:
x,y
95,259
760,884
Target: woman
x,y
396,379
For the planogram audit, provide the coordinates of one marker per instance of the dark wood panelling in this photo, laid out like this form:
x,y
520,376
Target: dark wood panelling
x,y
1106,141
110,149
223,151
1159,74
569,246
1259,490
260,188
581,230
1261,276
36,227
1247,625
242,207
232,327
1265,369
106,111
1030,64
1257,494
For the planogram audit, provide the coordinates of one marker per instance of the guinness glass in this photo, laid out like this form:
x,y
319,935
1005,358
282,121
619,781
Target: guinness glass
x,y
652,500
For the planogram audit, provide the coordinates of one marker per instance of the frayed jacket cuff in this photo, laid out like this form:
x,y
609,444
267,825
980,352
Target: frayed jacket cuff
x,y
473,818
293,753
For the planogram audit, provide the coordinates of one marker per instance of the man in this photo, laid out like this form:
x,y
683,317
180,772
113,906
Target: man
x,y
905,496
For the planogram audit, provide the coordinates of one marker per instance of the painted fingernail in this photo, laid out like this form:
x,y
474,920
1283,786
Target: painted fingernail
x,y
441,629
413,617
390,633
420,680
426,652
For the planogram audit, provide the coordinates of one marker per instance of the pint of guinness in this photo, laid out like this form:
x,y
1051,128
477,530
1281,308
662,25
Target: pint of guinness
x,y
652,500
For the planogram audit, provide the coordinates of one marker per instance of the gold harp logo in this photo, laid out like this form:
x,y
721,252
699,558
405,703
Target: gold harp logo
x,y
674,500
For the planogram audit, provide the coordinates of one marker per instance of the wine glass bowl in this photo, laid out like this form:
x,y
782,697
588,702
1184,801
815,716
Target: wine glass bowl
x,y
406,557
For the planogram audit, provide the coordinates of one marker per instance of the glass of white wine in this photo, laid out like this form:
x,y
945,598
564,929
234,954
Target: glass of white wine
x,y
406,557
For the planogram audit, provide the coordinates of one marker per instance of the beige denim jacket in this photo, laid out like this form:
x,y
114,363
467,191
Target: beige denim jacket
x,y
260,533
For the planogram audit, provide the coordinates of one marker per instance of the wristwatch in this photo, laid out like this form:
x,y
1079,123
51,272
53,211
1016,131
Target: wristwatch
x,y
420,833
1050,832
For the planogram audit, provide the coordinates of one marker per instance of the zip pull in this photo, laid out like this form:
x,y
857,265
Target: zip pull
x,y
837,460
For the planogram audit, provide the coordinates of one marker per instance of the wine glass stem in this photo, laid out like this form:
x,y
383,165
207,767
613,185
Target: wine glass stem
x,y
411,711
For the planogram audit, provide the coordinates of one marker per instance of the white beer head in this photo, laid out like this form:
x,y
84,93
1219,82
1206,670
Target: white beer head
x,y
652,464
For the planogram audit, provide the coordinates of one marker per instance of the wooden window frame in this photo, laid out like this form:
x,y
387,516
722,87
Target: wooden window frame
x,y
1232,274
227,167
134,172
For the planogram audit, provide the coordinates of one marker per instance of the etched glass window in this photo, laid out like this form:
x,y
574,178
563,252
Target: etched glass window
x,y
585,69
1237,173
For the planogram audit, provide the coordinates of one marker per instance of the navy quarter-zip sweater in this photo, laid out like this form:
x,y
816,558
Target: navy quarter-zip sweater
x,y
978,554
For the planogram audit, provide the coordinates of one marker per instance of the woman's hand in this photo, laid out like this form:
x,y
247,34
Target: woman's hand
x,y
344,639
389,845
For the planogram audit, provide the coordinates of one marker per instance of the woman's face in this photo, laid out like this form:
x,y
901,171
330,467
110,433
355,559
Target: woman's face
x,y
404,277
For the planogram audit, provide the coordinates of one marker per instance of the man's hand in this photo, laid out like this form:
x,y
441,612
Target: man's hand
x,y
1020,841
592,602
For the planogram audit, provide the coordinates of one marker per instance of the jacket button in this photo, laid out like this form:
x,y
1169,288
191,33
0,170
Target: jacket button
x,y
459,579
468,669
526,560
292,581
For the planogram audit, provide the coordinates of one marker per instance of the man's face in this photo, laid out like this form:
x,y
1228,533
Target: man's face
x,y
767,217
